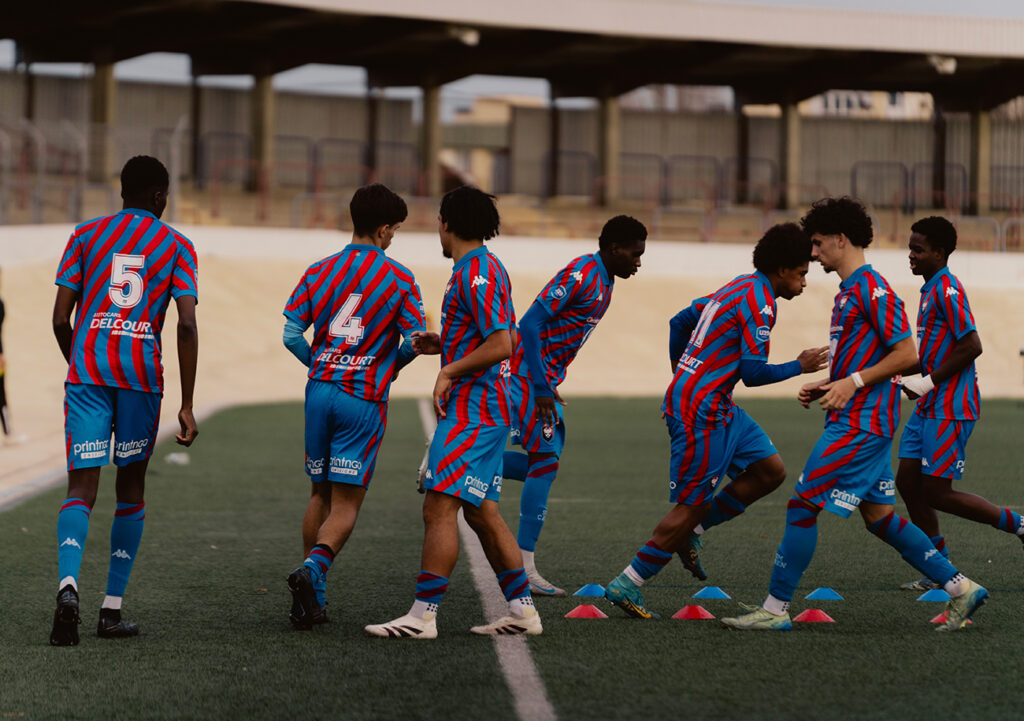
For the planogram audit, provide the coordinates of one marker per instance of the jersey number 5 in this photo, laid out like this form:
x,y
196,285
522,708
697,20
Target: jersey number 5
x,y
126,285
345,324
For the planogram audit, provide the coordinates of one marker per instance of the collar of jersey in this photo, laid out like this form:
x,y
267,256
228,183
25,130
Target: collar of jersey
x,y
604,271
362,246
767,283
855,276
935,279
475,253
139,211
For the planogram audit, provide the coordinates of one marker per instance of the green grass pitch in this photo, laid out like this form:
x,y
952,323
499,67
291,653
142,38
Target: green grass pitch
x,y
223,532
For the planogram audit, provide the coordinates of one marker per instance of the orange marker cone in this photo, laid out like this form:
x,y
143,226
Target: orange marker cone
x,y
586,610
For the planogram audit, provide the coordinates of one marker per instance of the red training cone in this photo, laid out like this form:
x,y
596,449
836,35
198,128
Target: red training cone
x,y
692,613
814,615
941,618
586,610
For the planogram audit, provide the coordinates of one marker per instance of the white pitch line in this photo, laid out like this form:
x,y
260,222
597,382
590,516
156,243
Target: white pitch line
x,y
517,666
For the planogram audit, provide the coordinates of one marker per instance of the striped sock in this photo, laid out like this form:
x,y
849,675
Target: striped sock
x,y
125,536
647,562
940,545
533,504
724,507
319,561
1010,522
795,551
72,529
514,583
430,589
914,546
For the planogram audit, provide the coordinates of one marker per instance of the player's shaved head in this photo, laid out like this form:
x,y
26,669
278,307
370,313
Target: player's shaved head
x,y
938,232
373,206
470,213
141,176
784,246
839,216
622,230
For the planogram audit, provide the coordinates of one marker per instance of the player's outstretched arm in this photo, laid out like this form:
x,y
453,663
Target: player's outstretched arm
x,y
901,356
63,307
295,341
188,359
964,352
811,392
425,342
813,360
495,348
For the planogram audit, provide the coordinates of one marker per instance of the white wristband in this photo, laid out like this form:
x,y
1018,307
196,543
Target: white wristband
x,y
920,385
857,380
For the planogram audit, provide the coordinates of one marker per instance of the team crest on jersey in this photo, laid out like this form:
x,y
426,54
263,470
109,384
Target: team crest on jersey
x,y
763,332
878,293
548,432
767,310
558,292
478,280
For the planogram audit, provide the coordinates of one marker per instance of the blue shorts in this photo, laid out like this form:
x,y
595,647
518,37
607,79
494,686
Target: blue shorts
x,y
702,456
527,431
940,445
343,434
92,413
847,466
465,461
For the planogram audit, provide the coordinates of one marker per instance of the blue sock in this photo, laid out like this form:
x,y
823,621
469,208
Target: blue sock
x,y
514,583
320,588
649,560
72,528
533,504
724,507
515,465
1009,521
914,546
125,535
796,550
430,587
940,545
319,561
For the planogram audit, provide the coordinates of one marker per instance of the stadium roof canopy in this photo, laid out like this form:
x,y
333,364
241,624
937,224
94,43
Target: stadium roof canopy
x,y
584,47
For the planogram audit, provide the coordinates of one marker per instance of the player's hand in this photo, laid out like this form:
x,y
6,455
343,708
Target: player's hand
x,y
813,360
425,342
558,399
189,429
917,386
442,385
546,412
811,392
838,394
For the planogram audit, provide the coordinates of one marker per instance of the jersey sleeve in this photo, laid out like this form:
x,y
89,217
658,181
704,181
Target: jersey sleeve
x,y
486,298
884,310
186,271
952,300
69,272
562,290
299,306
411,316
756,317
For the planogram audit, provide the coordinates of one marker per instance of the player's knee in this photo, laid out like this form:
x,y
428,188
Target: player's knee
x,y
773,474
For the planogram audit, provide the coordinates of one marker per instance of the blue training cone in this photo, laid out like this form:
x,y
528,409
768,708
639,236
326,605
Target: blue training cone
x,y
824,594
711,592
591,589
936,594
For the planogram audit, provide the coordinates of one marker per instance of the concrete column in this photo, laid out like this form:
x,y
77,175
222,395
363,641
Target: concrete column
x,y
938,159
981,162
430,140
789,156
742,156
262,125
611,149
372,133
554,145
196,120
102,106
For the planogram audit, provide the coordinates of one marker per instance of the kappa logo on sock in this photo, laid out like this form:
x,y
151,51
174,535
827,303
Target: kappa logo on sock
x,y
122,554
929,553
69,541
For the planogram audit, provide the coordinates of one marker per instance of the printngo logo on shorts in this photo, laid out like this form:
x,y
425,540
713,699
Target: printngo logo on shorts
x,y
91,449
475,486
126,449
887,488
844,499
345,466
315,467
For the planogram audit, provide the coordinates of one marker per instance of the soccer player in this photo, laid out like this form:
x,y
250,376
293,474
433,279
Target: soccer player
x,y
933,448
710,435
550,335
850,466
360,304
120,271
471,399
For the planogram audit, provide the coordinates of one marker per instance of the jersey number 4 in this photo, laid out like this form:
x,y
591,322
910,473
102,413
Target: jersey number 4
x,y
345,323
126,285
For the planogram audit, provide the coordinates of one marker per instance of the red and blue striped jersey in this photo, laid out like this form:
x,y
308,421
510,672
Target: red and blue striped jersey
x,y
867,320
125,269
943,318
359,303
735,324
477,302
575,300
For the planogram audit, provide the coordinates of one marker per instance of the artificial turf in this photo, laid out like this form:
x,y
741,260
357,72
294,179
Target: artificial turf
x,y
222,533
